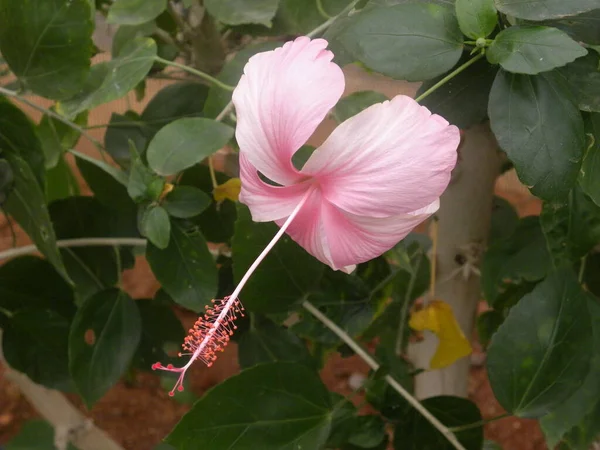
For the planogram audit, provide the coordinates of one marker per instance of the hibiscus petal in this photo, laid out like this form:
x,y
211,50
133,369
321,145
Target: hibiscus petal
x,y
392,158
280,100
355,239
266,202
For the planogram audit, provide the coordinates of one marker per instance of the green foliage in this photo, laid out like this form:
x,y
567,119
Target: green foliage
x,y
476,18
35,435
544,9
237,12
135,12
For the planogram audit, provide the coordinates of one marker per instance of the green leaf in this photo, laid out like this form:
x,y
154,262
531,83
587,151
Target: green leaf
x,y
522,257
122,130
185,269
544,9
57,137
531,50
476,18
583,76
287,408
135,12
6,180
590,168
286,274
582,27
572,412
186,142
126,33
232,71
111,80
35,343
504,220
143,185
487,324
585,433
104,336
355,103
369,432
27,205
268,342
61,182
540,355
47,44
18,137
237,12
184,202
462,101
414,432
538,125
412,42
298,17
156,226
35,435
49,291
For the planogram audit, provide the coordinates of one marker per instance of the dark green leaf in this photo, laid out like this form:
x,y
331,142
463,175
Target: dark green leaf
x,y
572,412
369,432
355,103
113,79
589,178
156,226
106,187
583,76
27,205
47,44
540,355
540,128
143,184
61,182
462,101
504,220
18,137
301,156
135,12
104,336
487,324
35,343
524,256
186,142
35,435
584,27
582,436
286,274
121,130
476,18
186,201
287,408
6,180
414,432
342,421
186,269
267,342
126,33
57,137
531,50
413,42
237,12
299,16
544,9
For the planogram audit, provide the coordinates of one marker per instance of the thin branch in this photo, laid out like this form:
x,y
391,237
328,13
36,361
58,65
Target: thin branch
x,y
196,72
366,357
328,23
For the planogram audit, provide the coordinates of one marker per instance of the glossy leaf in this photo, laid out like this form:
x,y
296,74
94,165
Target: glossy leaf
x,y
156,226
27,205
590,168
583,77
283,277
411,42
186,201
544,9
531,50
237,12
288,407
268,342
185,268
414,432
113,79
104,336
35,343
540,128
186,142
135,12
476,18
354,103
47,44
540,355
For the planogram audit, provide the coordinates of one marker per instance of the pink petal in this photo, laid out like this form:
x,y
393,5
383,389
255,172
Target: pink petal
x,y
392,158
266,202
355,239
280,100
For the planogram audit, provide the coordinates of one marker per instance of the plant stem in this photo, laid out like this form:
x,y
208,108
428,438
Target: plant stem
x,y
362,353
449,77
198,73
54,115
582,269
478,424
322,10
405,304
328,22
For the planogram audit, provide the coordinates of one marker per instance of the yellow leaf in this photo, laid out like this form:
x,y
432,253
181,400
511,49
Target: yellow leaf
x,y
438,318
228,190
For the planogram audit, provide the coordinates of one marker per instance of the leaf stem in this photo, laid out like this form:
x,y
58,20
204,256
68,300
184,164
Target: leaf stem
x,y
362,353
478,424
56,116
449,77
582,269
198,73
328,22
322,10
405,304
